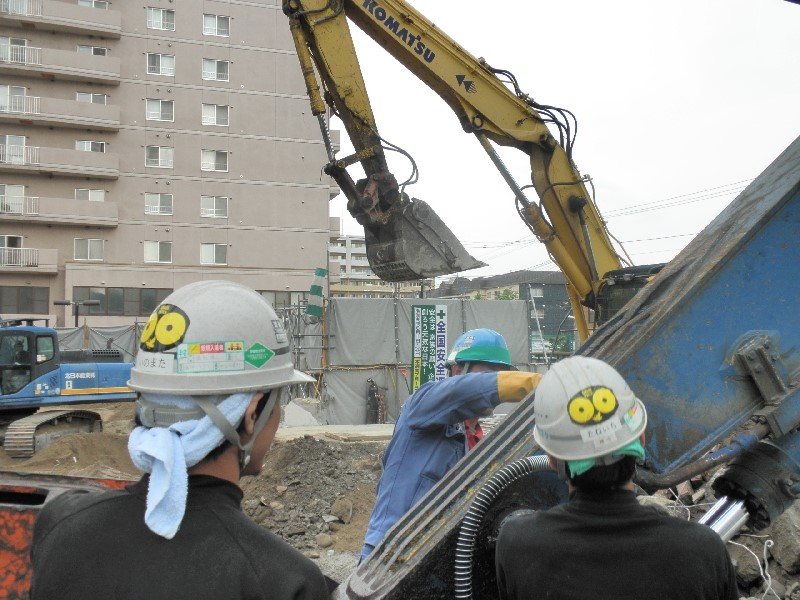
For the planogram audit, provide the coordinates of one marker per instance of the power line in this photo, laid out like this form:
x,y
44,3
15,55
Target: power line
x,y
704,194
663,237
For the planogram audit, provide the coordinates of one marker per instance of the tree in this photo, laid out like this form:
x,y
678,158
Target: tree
x,y
508,294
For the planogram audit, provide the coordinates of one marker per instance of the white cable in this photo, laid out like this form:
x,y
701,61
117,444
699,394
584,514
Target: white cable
x,y
764,570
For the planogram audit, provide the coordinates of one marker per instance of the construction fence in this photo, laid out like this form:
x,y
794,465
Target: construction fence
x,y
358,342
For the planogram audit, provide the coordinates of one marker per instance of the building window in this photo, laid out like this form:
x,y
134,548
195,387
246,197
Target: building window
x,y
123,301
26,299
102,4
216,25
160,110
215,114
91,97
159,156
213,254
214,160
160,64
213,206
90,195
12,199
88,249
160,18
215,70
12,98
93,50
536,291
14,50
90,146
158,204
284,299
158,252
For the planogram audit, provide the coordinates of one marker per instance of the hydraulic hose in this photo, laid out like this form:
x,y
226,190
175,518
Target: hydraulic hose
x,y
465,545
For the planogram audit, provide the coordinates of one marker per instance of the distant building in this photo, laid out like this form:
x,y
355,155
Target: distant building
x,y
546,291
351,275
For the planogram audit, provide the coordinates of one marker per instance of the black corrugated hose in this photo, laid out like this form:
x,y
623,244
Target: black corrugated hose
x,y
465,545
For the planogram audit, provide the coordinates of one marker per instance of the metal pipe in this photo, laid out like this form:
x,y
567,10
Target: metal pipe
x,y
726,517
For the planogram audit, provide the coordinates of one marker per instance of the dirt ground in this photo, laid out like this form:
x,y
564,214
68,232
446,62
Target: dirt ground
x,y
316,493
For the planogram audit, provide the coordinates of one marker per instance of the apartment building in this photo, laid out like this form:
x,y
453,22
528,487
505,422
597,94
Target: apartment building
x,y
351,275
146,145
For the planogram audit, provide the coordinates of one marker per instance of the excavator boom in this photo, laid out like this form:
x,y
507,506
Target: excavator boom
x,y
404,236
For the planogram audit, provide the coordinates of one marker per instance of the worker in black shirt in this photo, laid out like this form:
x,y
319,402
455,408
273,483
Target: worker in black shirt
x,y
211,372
602,544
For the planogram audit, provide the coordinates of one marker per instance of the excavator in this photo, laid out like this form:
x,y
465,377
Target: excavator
x,y
709,341
405,238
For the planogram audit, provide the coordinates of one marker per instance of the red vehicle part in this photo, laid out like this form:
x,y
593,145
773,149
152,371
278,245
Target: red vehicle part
x,y
22,496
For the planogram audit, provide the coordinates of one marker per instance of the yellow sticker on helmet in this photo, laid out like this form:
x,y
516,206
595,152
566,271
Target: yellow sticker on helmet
x,y
165,329
592,405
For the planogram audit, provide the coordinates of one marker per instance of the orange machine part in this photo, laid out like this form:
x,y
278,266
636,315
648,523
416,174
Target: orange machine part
x,y
22,496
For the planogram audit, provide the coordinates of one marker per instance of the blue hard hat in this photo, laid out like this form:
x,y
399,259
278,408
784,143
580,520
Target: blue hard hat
x,y
480,345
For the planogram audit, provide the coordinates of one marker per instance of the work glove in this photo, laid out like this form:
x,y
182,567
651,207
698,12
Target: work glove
x,y
513,386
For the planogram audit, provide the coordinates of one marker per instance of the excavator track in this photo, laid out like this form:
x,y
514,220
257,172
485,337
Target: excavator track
x,y
25,436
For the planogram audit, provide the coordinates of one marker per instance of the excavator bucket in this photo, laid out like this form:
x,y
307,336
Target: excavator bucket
x,y
414,243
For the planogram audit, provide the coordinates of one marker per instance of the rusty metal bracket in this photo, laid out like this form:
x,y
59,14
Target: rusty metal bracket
x,y
759,359
363,154
757,356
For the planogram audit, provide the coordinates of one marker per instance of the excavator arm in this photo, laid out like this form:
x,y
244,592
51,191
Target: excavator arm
x,y
565,219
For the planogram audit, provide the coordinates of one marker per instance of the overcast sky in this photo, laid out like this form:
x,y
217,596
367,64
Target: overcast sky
x,y
679,105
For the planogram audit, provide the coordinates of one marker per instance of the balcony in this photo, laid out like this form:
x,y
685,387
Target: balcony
x,y
58,211
58,161
29,260
62,65
33,110
52,15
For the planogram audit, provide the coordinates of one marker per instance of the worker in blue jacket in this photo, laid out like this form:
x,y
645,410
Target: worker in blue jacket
x,y
438,424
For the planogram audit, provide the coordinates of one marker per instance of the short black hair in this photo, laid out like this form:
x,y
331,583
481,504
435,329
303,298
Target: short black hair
x,y
604,478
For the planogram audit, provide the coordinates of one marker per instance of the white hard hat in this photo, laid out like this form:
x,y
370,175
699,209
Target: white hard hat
x,y
584,409
213,338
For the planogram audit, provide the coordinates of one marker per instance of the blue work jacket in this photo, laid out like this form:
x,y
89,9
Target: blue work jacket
x,y
428,440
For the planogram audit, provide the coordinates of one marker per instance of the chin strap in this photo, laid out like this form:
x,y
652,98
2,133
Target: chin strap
x,y
229,431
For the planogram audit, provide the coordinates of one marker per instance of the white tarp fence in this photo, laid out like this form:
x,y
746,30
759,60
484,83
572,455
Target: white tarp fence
x,y
358,339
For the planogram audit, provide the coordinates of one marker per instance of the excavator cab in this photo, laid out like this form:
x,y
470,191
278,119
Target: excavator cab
x,y
15,361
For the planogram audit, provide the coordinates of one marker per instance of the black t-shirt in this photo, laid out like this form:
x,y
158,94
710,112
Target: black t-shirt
x,y
96,545
609,547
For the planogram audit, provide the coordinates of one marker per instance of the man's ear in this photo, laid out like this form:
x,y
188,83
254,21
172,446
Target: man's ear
x,y
552,462
250,415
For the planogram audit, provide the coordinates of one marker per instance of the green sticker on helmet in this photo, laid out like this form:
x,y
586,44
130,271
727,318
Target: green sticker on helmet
x,y
258,355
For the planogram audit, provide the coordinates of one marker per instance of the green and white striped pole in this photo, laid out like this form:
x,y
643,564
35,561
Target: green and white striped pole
x,y
315,294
